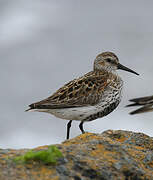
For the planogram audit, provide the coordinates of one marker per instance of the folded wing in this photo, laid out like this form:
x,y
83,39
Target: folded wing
x,y
83,91
145,102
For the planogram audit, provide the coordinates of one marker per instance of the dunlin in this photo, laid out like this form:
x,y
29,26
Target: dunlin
x,y
92,96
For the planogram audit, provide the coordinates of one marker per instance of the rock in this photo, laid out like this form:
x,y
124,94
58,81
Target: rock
x,y
112,155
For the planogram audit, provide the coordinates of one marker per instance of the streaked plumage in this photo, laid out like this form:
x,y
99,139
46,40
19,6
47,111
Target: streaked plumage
x,y
89,97
145,102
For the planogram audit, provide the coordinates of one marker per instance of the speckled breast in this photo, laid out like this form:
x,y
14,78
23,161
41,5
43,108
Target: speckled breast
x,y
110,100
107,110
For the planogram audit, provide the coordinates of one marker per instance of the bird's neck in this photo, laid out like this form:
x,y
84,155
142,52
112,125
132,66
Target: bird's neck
x,y
106,71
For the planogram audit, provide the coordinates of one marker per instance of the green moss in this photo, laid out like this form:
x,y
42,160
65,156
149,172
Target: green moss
x,y
48,156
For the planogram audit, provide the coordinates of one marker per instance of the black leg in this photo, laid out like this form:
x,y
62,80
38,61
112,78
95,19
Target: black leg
x,y
81,127
68,129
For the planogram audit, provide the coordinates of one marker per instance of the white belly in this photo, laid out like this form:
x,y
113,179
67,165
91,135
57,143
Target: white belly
x,y
78,113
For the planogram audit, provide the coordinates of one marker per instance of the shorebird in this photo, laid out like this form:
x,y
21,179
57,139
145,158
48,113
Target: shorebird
x,y
145,102
92,96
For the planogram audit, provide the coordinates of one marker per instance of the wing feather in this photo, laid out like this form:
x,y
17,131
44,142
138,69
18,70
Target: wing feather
x,y
146,108
141,101
145,102
83,91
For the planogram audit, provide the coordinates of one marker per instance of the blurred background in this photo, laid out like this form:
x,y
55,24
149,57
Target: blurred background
x,y
44,44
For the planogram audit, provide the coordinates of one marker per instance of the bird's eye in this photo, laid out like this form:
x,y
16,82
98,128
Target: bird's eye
x,y
108,60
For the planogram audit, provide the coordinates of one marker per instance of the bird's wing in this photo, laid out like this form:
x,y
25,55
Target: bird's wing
x,y
145,102
141,101
83,91
146,108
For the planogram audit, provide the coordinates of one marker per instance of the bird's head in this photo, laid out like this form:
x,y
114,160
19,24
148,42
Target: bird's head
x,y
108,61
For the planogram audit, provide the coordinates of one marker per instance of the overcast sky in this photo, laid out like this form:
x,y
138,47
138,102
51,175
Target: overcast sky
x,y
44,44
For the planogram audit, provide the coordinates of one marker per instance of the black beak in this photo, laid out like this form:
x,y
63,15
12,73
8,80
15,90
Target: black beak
x,y
120,66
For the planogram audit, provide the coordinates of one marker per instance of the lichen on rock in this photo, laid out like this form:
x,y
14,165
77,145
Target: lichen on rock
x,y
112,155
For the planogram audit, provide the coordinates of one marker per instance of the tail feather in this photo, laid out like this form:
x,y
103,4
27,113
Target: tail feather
x,y
31,106
27,109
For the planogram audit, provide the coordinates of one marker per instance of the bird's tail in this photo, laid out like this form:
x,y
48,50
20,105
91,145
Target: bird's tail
x,y
31,107
27,109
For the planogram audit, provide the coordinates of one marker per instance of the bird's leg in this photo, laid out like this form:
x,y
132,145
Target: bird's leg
x,y
68,129
81,127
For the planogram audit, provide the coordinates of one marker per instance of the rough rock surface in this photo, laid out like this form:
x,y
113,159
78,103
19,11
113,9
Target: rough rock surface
x,y
112,155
